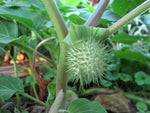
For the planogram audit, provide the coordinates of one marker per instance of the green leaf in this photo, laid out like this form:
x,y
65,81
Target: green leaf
x,y
125,53
125,77
110,15
30,80
78,33
29,18
29,3
18,14
127,39
141,78
10,85
84,106
141,106
74,18
105,83
71,2
8,31
122,7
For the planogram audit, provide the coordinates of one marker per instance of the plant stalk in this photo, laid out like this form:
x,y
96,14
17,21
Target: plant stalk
x,y
131,15
16,74
34,99
62,31
57,102
95,17
133,97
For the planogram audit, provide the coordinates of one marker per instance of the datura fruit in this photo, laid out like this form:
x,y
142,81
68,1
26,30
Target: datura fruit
x,y
87,62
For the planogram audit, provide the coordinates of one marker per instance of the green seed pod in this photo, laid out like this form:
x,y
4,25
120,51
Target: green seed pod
x,y
87,62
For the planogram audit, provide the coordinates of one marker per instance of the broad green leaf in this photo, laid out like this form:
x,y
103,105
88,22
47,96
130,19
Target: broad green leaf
x,y
8,31
10,85
146,20
74,18
29,18
141,78
127,39
18,14
141,106
78,33
71,2
125,53
84,106
29,3
125,77
122,7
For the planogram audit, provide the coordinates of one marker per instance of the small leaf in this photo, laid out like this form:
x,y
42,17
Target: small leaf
x,y
10,85
76,19
142,78
127,39
125,77
141,106
105,83
85,106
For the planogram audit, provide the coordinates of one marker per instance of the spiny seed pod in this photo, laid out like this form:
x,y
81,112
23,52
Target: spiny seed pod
x,y
87,62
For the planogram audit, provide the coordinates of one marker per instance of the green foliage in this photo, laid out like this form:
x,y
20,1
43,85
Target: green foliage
x,y
128,39
85,106
9,86
141,78
8,31
71,2
141,106
127,54
123,7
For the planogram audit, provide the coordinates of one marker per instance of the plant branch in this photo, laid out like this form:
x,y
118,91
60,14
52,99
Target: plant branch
x,y
62,31
34,99
95,17
131,15
57,102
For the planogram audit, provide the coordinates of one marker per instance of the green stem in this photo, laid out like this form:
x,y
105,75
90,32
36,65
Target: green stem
x,y
124,20
34,99
62,31
15,58
35,92
95,17
16,74
136,98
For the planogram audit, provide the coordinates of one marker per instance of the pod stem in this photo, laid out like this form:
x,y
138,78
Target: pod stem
x,y
131,15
